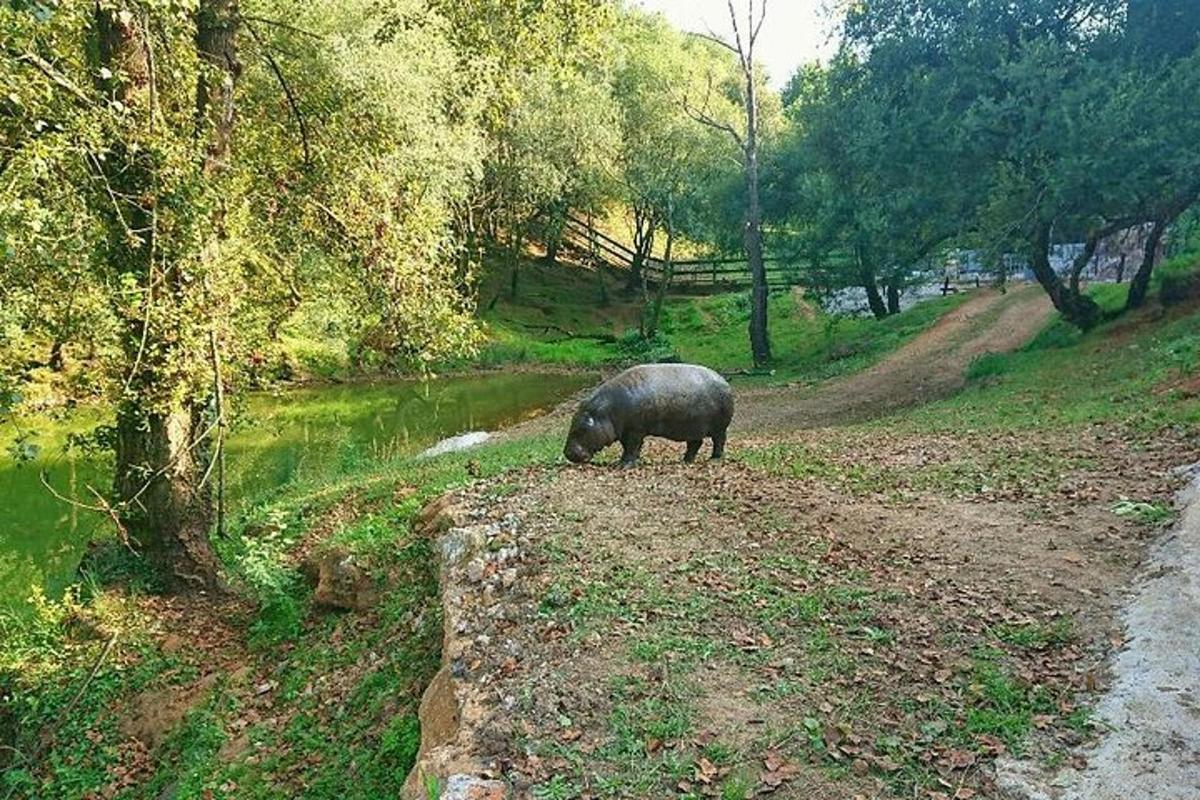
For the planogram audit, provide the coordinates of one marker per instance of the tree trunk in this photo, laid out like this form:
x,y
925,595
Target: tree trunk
x,y
554,232
644,230
760,342
650,329
893,299
1078,309
1141,279
166,508
866,277
56,355
597,263
216,42
516,239
163,444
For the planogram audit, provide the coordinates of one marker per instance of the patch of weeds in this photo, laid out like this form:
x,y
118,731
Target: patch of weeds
x,y
1036,636
1145,513
1004,706
557,788
876,635
740,785
681,649
184,761
633,761
637,349
624,593
1079,720
665,719
989,366
799,566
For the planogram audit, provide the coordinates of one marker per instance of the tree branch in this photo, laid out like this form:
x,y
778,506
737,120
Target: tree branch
x,y
50,71
278,24
702,116
737,37
705,119
287,90
761,19
717,40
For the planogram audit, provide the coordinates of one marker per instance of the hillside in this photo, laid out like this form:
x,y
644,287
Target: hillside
x,y
565,318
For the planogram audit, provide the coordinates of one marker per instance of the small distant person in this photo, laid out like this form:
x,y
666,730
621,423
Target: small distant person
x,y
950,275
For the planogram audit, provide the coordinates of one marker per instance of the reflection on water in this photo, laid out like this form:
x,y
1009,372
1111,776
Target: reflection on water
x,y
297,435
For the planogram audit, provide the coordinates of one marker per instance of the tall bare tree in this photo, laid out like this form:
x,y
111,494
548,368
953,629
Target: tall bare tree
x,y
742,46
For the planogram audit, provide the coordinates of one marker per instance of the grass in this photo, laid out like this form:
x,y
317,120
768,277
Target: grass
x,y
339,716
807,343
343,689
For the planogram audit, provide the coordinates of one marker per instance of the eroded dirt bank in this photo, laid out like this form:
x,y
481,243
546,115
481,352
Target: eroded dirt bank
x,y
931,366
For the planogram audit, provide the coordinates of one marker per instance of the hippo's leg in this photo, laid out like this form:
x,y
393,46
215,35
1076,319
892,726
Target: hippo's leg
x,y
718,444
692,449
631,450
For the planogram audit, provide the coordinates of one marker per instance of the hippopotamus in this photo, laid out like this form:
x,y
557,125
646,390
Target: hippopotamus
x,y
681,402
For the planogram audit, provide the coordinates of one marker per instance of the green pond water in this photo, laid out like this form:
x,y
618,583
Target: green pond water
x,y
279,438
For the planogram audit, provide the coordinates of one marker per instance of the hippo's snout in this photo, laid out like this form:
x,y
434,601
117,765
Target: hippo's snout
x,y
576,453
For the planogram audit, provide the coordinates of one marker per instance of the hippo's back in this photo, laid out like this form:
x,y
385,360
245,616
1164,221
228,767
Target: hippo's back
x,y
679,401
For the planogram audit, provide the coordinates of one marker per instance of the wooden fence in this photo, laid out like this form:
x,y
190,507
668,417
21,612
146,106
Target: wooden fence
x,y
702,273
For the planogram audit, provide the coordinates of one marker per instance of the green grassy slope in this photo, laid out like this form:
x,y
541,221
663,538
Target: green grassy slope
x,y
1139,370
560,316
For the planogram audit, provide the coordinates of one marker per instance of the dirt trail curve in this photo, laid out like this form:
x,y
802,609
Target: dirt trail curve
x,y
931,366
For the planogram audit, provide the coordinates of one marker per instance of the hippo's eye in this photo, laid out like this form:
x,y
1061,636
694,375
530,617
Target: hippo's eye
x,y
587,421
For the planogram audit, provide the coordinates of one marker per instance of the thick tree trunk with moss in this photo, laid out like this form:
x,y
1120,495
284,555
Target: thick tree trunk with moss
x,y
167,510
163,443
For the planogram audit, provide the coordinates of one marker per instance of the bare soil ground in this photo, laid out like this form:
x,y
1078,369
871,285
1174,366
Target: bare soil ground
x,y
1152,744
832,613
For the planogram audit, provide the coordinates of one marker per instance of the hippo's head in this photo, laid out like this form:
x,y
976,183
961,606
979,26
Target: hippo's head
x,y
590,433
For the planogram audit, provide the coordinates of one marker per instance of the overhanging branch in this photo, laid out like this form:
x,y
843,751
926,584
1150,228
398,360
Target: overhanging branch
x,y
287,89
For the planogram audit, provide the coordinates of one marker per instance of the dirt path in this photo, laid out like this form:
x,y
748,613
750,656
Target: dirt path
x,y
931,366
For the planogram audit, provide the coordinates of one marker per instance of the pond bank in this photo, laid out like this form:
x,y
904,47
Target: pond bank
x,y
303,434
